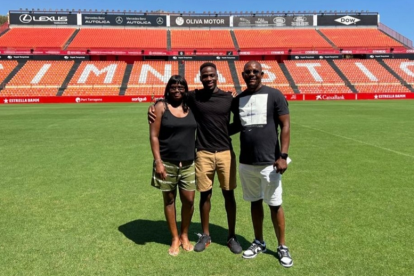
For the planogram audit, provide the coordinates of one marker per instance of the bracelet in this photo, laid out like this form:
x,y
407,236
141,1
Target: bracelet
x,y
158,160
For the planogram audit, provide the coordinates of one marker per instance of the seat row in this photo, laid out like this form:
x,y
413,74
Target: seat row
x,y
150,77
106,38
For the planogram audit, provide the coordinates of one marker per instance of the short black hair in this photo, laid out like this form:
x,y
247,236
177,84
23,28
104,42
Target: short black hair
x,y
208,64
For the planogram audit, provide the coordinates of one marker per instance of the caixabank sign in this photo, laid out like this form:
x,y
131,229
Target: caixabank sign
x,y
42,19
124,20
347,20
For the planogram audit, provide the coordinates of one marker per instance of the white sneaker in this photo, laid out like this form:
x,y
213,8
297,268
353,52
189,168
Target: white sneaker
x,y
254,249
284,256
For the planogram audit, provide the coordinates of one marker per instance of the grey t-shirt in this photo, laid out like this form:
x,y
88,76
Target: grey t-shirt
x,y
257,117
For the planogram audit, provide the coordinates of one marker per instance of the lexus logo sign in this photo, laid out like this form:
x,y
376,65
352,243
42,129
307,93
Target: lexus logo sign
x,y
25,18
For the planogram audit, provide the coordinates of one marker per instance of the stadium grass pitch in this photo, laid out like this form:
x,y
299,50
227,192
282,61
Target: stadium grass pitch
x,y
75,195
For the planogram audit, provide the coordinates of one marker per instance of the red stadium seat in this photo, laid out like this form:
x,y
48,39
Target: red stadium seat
x,y
136,39
403,67
34,38
273,76
6,67
150,77
38,78
360,38
281,39
101,78
316,76
201,39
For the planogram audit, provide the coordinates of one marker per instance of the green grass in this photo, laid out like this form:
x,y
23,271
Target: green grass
x,y
75,195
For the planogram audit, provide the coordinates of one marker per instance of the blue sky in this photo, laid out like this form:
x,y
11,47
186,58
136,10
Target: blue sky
x,y
396,14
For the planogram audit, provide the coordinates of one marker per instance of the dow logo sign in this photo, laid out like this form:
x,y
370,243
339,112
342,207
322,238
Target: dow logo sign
x,y
347,20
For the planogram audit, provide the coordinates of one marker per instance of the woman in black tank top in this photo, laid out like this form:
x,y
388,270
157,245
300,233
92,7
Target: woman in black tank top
x,y
172,137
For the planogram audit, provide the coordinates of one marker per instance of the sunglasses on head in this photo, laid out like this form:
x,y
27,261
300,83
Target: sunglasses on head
x,y
248,72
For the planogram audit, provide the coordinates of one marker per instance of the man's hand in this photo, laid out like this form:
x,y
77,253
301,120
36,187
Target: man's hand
x,y
280,165
233,93
151,114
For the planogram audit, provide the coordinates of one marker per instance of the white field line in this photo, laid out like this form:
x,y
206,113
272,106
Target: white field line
x,y
358,141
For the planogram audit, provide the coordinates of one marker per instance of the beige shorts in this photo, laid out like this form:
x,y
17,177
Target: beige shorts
x,y
261,182
208,163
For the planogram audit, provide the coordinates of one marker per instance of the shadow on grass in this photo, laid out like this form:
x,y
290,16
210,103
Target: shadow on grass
x,y
142,231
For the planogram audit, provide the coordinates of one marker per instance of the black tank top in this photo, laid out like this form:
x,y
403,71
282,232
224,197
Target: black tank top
x,y
177,137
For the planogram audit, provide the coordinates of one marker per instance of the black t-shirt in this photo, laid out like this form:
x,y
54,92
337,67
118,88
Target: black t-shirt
x,y
212,113
256,115
177,137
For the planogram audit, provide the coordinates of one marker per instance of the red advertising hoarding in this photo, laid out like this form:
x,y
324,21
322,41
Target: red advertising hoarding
x,y
148,98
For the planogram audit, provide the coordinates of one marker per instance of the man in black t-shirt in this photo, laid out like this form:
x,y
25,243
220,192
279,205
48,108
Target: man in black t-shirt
x,y
211,107
258,112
